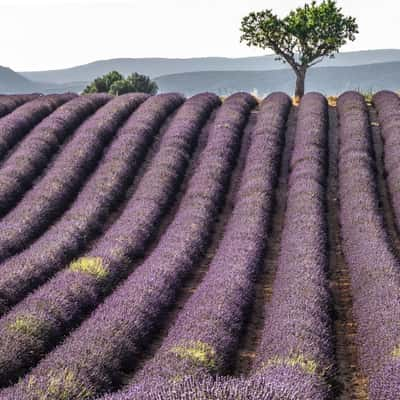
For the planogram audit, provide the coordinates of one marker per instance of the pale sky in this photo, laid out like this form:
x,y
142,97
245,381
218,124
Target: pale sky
x,y
50,34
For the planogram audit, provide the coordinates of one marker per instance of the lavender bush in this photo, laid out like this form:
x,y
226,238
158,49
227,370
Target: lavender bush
x,y
205,336
296,342
201,341
91,359
51,195
374,269
208,388
9,103
37,148
388,107
17,124
53,309
24,272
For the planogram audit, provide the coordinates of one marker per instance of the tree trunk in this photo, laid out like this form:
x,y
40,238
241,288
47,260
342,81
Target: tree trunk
x,y
300,82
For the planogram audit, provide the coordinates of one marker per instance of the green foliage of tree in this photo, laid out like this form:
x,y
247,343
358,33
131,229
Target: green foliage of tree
x,y
115,83
104,83
134,83
302,38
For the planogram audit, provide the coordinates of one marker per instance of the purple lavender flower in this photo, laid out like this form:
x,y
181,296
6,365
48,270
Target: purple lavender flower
x,y
374,269
62,181
17,124
296,341
90,360
206,333
9,103
37,148
25,271
32,327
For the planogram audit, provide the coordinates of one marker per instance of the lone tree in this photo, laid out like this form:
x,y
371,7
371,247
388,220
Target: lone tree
x,y
302,38
115,83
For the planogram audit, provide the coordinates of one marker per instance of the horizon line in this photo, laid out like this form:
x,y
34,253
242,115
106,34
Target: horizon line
x,y
181,58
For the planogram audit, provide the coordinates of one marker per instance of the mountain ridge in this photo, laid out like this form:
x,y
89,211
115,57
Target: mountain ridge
x,y
326,79
157,66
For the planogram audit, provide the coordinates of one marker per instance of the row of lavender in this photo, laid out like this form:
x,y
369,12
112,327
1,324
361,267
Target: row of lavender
x,y
37,323
25,271
388,107
295,357
205,337
296,345
9,103
51,195
14,126
374,269
35,151
91,358
299,307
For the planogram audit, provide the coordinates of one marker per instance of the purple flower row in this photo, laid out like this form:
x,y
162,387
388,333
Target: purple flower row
x,y
91,359
205,336
296,343
374,269
37,148
16,125
210,388
55,308
51,195
287,370
98,197
9,103
388,107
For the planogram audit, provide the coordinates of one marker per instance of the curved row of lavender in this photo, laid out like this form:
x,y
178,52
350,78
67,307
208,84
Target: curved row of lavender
x,y
296,343
14,126
51,195
296,368
205,336
40,145
91,359
374,269
213,388
9,103
388,107
55,308
101,193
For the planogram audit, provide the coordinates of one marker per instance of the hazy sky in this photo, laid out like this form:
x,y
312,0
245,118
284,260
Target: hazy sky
x,y
49,34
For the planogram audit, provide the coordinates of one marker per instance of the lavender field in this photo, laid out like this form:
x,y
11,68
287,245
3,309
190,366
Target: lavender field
x,y
162,247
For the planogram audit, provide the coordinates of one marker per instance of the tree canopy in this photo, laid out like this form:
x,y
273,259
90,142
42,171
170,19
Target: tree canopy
x,y
115,83
303,38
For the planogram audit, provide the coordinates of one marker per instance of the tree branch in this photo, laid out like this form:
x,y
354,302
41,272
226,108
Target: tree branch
x,y
317,61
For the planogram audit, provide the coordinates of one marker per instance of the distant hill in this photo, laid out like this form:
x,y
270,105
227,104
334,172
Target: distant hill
x,y
328,80
10,81
155,67
13,82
